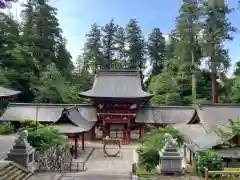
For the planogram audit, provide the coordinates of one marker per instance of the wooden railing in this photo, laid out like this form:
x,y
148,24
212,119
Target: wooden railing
x,y
226,173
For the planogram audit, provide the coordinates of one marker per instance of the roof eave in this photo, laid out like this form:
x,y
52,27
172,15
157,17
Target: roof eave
x,y
10,95
88,94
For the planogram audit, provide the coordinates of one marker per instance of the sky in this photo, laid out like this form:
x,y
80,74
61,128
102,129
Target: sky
x,y
76,17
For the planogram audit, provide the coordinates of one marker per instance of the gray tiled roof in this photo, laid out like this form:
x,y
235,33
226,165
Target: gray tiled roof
x,y
164,114
78,122
116,84
204,142
200,138
233,152
213,115
5,92
192,131
46,112
69,128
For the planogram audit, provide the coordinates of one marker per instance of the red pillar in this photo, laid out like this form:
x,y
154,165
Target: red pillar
x,y
129,130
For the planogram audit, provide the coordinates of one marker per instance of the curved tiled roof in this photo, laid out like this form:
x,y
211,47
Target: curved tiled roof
x,y
46,112
116,84
165,114
6,93
214,115
77,122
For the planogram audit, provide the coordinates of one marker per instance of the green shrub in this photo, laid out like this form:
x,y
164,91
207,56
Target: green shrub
x,y
156,136
148,158
46,137
152,143
210,160
30,125
6,128
141,172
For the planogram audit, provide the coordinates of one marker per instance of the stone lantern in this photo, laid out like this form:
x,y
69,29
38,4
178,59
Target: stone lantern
x,y
22,152
170,158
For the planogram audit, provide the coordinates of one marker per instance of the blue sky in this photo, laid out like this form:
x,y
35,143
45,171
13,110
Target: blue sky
x,y
76,16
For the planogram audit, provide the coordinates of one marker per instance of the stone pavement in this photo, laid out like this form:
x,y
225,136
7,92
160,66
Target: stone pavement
x,y
99,167
6,143
100,176
98,163
106,168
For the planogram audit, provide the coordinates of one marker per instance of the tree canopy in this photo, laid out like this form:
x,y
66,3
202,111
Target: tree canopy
x,y
34,57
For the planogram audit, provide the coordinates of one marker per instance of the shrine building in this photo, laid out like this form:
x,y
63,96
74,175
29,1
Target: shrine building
x,y
118,107
122,106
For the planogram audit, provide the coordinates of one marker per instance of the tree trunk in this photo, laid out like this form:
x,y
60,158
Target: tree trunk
x,y
214,85
214,76
194,93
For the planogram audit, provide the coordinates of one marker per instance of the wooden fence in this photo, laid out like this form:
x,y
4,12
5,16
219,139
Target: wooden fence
x,y
226,173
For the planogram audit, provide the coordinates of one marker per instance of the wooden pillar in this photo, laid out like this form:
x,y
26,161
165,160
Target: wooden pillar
x,y
103,129
139,132
184,151
76,146
142,131
124,134
93,134
129,130
83,146
190,157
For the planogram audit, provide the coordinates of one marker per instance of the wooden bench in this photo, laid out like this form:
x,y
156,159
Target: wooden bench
x,y
226,173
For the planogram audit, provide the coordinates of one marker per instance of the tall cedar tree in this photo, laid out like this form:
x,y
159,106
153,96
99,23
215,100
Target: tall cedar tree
x,y
216,30
9,36
135,46
44,42
121,47
109,32
16,62
41,22
135,49
187,48
63,59
156,51
92,48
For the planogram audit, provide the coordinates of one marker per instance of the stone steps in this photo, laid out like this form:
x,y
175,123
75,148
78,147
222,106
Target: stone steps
x,y
12,171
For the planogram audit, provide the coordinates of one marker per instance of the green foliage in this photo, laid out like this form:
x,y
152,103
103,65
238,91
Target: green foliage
x,y
157,51
30,125
235,90
92,48
136,46
6,128
152,143
210,160
156,136
109,34
148,158
35,49
142,172
226,133
46,137
53,87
